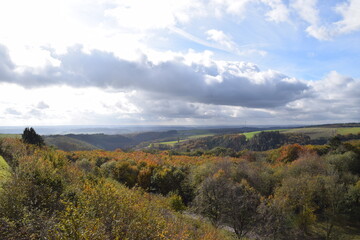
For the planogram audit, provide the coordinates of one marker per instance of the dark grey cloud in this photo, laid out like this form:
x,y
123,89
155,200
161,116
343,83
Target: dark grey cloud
x,y
233,84
6,65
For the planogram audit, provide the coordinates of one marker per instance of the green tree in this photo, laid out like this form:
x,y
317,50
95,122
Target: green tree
x,y
31,137
224,201
240,208
210,197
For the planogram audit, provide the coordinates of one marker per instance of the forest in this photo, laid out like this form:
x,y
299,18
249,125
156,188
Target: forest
x,y
289,191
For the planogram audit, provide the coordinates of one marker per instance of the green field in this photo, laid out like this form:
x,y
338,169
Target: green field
x,y
344,131
10,135
172,143
313,133
4,170
249,135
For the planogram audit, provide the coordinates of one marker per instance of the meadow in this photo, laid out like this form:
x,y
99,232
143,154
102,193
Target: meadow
x,y
313,132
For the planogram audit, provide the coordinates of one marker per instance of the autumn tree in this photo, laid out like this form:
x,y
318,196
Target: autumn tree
x,y
240,207
224,201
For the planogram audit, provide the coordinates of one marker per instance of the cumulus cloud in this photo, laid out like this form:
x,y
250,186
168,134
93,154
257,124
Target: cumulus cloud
x,y
236,83
350,11
6,65
279,11
183,112
140,15
322,30
333,98
12,111
42,105
233,7
307,10
221,38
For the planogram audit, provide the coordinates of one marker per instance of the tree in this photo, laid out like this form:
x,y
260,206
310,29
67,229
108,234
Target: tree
x,y
274,220
240,208
224,201
31,137
210,197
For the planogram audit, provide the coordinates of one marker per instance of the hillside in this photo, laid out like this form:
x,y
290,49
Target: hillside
x,y
263,140
68,143
206,139
4,171
161,195
72,142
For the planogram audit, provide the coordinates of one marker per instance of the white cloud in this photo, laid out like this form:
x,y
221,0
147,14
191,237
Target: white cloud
x,y
307,10
243,84
68,105
156,14
221,38
279,11
42,105
12,111
333,98
129,58
350,11
224,42
320,28
233,7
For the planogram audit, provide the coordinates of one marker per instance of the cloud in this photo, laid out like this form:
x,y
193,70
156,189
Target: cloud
x,y
225,42
350,11
279,11
184,112
12,111
6,65
219,83
321,29
333,98
221,38
42,105
156,14
233,7
307,10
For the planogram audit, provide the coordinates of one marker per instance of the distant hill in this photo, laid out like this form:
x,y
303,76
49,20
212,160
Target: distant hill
x,y
236,142
106,142
336,125
78,142
149,136
260,142
205,139
67,143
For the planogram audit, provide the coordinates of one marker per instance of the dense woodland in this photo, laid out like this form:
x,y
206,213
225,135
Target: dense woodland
x,y
291,192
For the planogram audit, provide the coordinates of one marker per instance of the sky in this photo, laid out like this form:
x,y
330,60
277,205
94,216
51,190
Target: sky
x,y
179,62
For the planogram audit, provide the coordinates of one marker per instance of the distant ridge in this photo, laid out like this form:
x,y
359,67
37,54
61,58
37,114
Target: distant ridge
x,y
334,125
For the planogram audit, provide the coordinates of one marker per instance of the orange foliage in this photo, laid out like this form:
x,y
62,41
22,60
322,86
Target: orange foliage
x,y
288,153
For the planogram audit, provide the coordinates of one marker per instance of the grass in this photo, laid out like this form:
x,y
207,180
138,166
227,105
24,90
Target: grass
x,y
346,231
344,131
250,135
10,135
201,136
172,143
313,133
4,170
